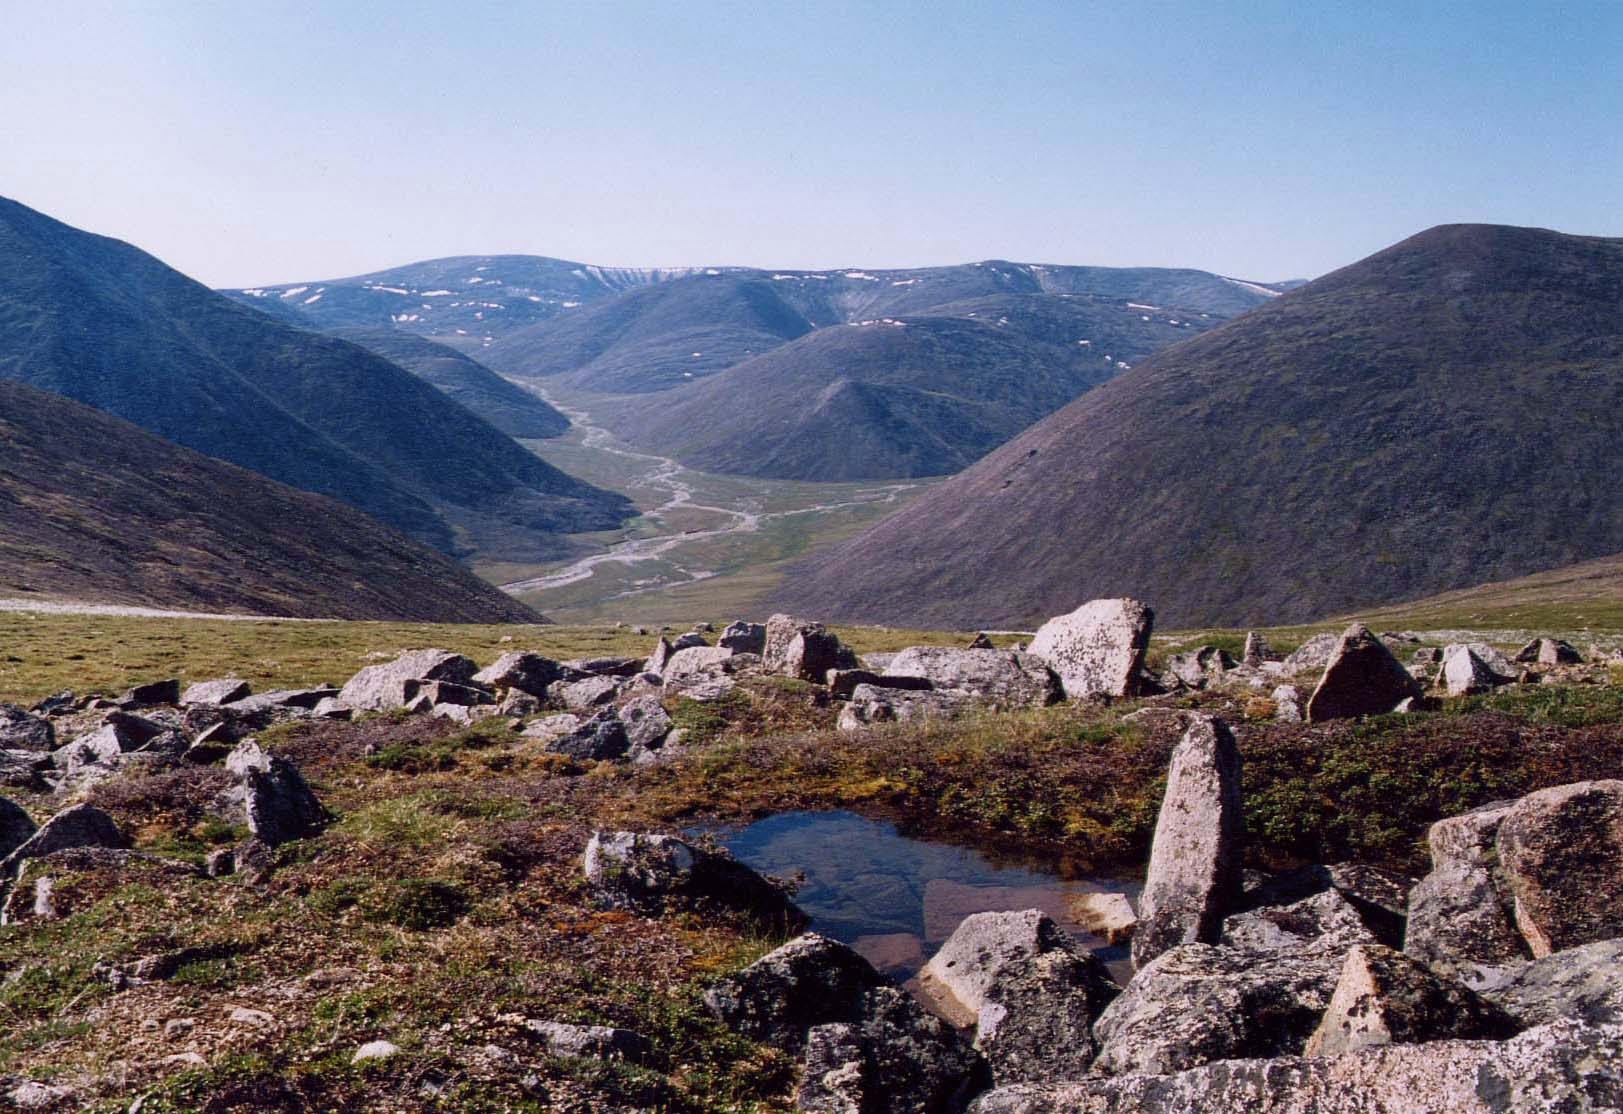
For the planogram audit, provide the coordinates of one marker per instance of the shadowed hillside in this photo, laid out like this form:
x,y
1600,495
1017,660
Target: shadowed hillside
x,y
1443,413
93,508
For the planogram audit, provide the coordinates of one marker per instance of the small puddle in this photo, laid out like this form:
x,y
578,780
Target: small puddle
x,y
896,899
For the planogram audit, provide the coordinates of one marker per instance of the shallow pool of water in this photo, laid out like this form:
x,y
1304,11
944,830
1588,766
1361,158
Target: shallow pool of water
x,y
894,898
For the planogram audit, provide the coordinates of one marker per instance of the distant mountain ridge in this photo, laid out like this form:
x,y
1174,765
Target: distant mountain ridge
x,y
93,508
103,322
1446,412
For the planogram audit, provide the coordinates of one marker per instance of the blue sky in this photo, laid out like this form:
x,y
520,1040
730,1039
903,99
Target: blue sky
x,y
248,143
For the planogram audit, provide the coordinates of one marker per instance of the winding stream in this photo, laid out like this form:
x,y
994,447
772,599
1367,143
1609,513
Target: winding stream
x,y
667,474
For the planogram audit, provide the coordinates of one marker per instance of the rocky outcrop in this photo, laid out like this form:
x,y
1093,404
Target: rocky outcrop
x,y
865,1041
20,730
646,722
1582,983
600,737
1288,704
1549,651
379,688
744,638
1561,851
79,826
1031,995
1257,650
1361,678
588,692
153,692
1194,872
999,678
223,691
1098,649
1384,997
1326,919
649,873
1200,668
1565,1068
1315,653
799,648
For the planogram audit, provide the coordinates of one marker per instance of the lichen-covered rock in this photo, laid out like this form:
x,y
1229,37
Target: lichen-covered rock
x,y
842,683
646,722
153,692
588,692
694,661
278,804
1465,673
1460,915
1098,649
600,738
1327,919
1288,704
1201,667
1385,997
649,873
599,1042
1379,897
1564,1068
1198,1003
524,671
1361,678
266,707
893,1057
379,688
999,677
1583,983
1194,879
870,704
21,730
1549,651
799,648
1030,993
1561,851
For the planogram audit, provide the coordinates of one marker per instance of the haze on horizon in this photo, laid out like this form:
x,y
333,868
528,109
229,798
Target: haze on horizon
x,y
251,145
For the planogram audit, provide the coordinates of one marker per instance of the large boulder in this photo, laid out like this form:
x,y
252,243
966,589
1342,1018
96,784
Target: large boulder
x,y
1198,1003
799,648
380,688
214,693
871,704
1549,651
648,874
524,671
1384,997
276,704
999,677
1361,678
695,661
646,722
656,661
1465,673
1030,993
1098,649
1194,876
1327,918
1379,897
1460,917
602,737
588,692
278,804
20,730
888,1054
1561,851
1565,1068
166,691
1201,668
1315,653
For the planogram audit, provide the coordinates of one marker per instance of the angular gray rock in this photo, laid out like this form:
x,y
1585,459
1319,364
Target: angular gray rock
x,y
870,704
79,826
894,1057
646,722
1288,704
1327,919
744,638
1561,851
525,671
842,683
656,661
606,666
998,677
648,874
1201,668
1564,1068
380,688
1257,650
1198,1003
1464,673
599,738
1461,918
222,691
20,730
1031,994
587,693
1379,898
1098,649
599,1042
800,648
1315,653
1194,879
21,769
689,640
153,692
695,661
1385,997
283,703
278,804
1361,678
1549,651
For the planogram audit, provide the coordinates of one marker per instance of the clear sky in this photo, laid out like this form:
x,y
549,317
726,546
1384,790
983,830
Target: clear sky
x,y
265,142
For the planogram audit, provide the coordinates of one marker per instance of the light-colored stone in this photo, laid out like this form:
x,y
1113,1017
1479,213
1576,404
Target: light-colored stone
x,y
998,677
1194,873
375,1050
1385,997
380,688
1561,850
1098,649
1109,916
